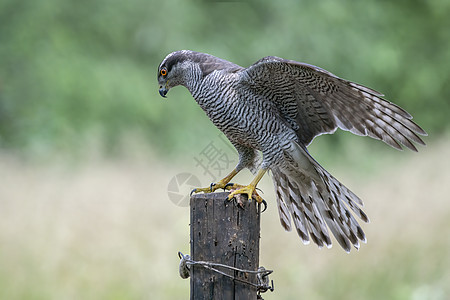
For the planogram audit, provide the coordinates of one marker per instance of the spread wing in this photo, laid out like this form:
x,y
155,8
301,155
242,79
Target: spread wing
x,y
314,101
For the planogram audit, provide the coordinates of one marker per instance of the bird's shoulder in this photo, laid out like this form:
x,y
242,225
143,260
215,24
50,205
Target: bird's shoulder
x,y
285,67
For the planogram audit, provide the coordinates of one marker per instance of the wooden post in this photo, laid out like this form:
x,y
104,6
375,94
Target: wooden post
x,y
227,234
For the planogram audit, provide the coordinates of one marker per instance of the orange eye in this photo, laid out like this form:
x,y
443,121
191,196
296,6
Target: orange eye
x,y
163,71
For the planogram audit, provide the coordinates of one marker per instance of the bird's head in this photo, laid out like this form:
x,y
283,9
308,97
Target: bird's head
x,y
188,68
172,70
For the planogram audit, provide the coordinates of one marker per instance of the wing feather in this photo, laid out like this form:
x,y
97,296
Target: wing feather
x,y
314,101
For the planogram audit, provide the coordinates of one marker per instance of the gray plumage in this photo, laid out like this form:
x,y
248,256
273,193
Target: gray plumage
x,y
278,106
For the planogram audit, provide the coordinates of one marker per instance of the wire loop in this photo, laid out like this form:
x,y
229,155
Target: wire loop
x,y
262,274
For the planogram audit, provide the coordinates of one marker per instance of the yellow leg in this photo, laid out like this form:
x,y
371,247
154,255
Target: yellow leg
x,y
218,185
250,189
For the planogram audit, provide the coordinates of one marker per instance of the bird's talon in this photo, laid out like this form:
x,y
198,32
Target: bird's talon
x,y
228,185
233,187
193,191
265,205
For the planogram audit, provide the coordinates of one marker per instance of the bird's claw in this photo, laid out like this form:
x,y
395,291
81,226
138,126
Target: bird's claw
x,y
236,191
265,205
247,190
228,186
212,187
239,203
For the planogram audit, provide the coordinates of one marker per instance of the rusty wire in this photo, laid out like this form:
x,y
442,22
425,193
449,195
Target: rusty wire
x,y
262,274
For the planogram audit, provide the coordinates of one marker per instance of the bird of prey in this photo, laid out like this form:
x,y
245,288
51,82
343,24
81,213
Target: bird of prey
x,y
277,107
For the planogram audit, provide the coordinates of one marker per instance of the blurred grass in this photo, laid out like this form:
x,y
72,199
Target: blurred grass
x,y
106,229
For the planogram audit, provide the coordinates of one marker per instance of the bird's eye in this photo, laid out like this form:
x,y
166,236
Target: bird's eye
x,y
163,71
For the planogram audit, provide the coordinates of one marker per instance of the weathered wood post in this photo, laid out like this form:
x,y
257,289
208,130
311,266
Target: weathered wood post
x,y
226,234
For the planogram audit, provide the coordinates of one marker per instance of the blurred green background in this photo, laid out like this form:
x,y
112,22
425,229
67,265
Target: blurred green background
x,y
87,145
74,71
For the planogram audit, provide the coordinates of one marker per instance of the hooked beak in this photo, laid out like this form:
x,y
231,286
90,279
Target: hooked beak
x,y
163,92
164,88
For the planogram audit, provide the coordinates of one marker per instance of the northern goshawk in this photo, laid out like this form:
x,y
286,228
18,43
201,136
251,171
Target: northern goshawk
x,y
277,106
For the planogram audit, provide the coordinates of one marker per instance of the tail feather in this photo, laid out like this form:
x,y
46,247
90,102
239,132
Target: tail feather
x,y
283,210
316,202
306,212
